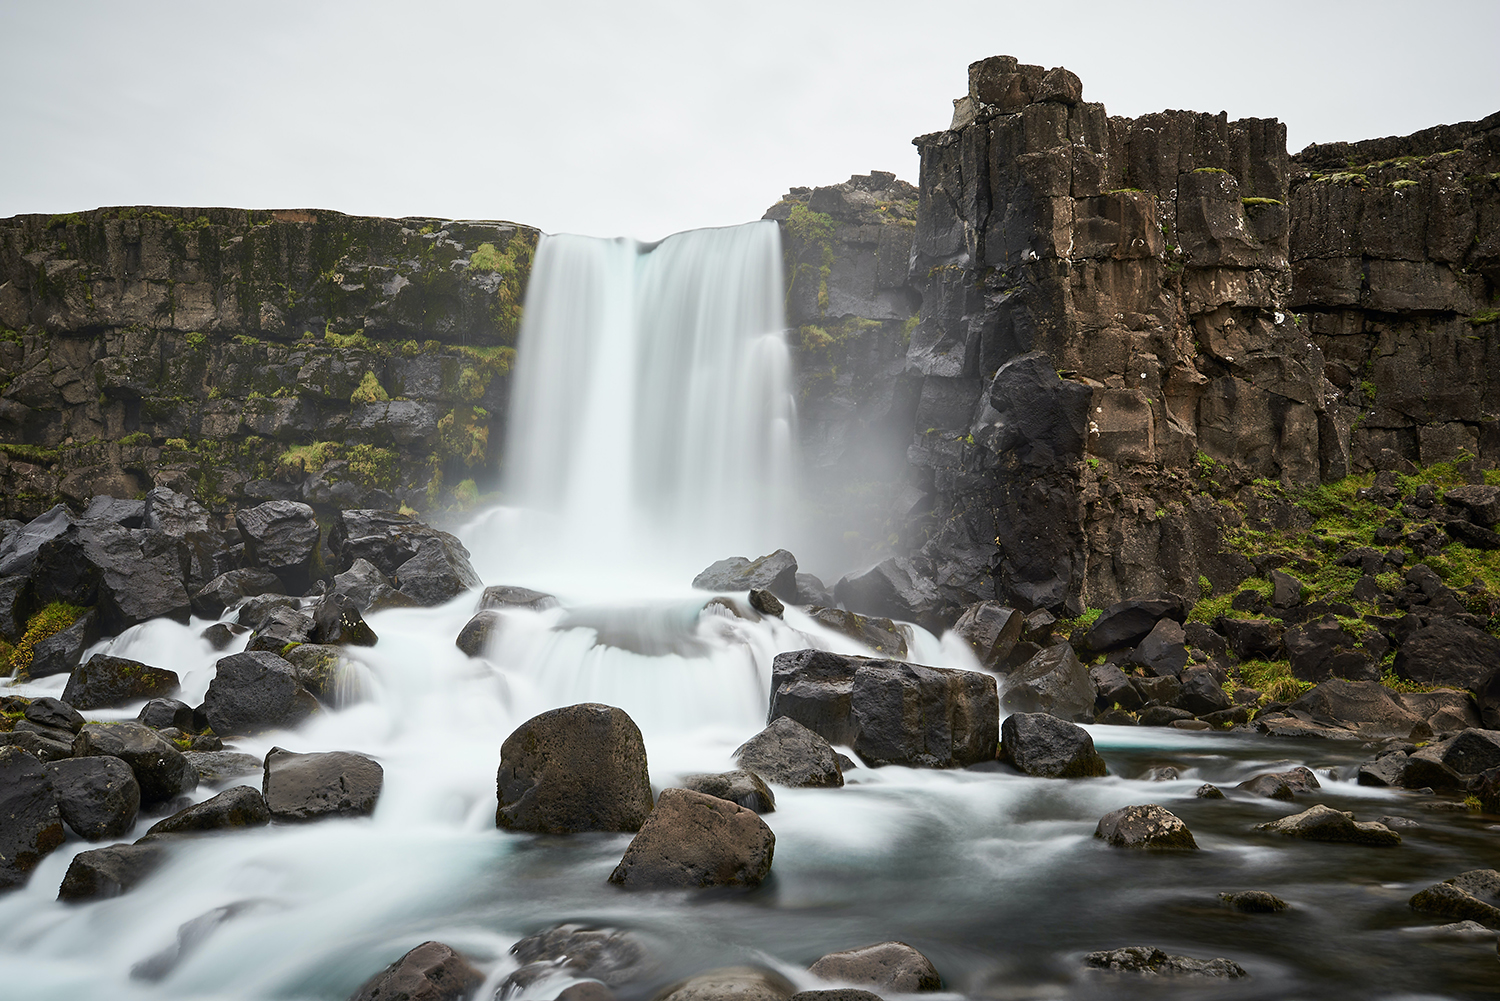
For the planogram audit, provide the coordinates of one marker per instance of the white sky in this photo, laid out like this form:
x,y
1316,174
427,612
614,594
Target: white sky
x,y
645,118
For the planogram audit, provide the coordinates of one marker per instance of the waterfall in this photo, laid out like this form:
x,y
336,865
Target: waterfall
x,y
652,422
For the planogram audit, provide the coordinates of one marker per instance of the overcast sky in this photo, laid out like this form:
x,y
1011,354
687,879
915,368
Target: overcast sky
x,y
645,118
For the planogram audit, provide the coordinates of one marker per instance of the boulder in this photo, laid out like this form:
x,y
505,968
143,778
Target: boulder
x,y
1148,826
302,787
1449,654
105,682
1387,770
1325,649
508,596
1281,785
881,635
1467,753
1113,688
693,840
39,745
612,957
15,606
255,691
229,589
280,536
836,994
54,713
775,572
98,796
1380,711
30,823
766,603
366,586
476,633
578,768
159,714
166,510
253,612
1053,682
127,576
384,539
1444,710
160,769
62,652
1157,691
1253,902
1163,716
992,631
1163,652
337,621
812,591
1047,747
108,872
1486,788
1469,896
894,588
19,549
439,571
1151,961
1252,639
1209,791
280,626
1322,823
1479,504
326,672
886,966
1286,590
217,767
741,787
733,983
788,753
118,511
190,935
1126,623
1200,693
241,806
430,972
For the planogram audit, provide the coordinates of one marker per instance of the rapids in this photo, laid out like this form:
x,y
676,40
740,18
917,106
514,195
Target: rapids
x,y
652,433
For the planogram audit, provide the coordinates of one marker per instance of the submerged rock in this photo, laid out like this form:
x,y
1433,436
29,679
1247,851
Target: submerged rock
x,y
789,753
509,596
1048,747
888,966
1148,826
430,972
217,767
881,635
615,958
1150,961
1322,823
301,787
1253,902
692,840
476,634
579,768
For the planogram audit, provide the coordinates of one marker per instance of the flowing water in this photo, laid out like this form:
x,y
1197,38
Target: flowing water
x,y
654,429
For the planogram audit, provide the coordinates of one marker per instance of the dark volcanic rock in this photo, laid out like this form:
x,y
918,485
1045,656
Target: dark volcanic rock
x,y
1469,896
337,620
430,972
299,787
439,572
1253,902
893,588
105,682
881,635
888,966
1148,826
509,596
1281,785
55,713
108,872
1048,747
766,603
789,753
613,957
1363,702
159,714
1200,693
217,767
30,824
230,588
1114,688
281,625
1053,682
166,510
1325,649
128,576
1126,623
1322,823
255,691
1252,638
579,768
694,840
160,768
1447,653
1150,961
326,672
741,787
241,806
386,539
1163,652
476,633
366,586
280,536
991,630
98,796
776,572
61,652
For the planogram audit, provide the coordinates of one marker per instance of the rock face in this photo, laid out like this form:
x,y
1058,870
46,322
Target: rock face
x,y
255,691
885,966
430,972
889,712
97,796
788,753
693,840
303,787
1147,826
105,682
30,824
1322,823
579,768
1048,747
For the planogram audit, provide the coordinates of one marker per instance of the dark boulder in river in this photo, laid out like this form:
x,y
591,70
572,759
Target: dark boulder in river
x,y
105,682
108,872
1469,896
241,806
1148,826
789,753
776,572
30,824
299,787
430,972
160,768
693,840
740,786
889,966
1054,682
1322,823
254,691
578,768
98,796
1048,747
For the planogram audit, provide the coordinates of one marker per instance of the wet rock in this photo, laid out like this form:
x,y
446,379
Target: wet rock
x,y
326,672
241,806
1253,902
1148,826
105,682
1444,710
54,713
476,633
255,691
812,591
385,539
280,536
37,744
127,576
886,966
1163,653
365,586
430,972
788,753
1486,788
881,635
229,589
1045,746
98,797
776,572
337,621
1163,716
30,823
612,957
693,840
740,787
893,588
165,510
1126,623
1322,823
1158,691
439,572
1053,682
1469,896
108,872
160,768
1281,785
253,612
1209,791
1150,961
1447,653
15,601
18,552
280,626
159,714
1190,724
1458,931
733,983
1468,753
117,511
217,767
1224,718
765,602
1114,688
1364,702
992,630
1200,693
1116,717
302,787
579,768
1384,771
508,596
62,652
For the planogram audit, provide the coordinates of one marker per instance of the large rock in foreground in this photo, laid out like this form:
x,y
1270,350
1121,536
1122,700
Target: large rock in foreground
x,y
430,972
579,768
255,691
889,712
789,753
1148,826
887,966
1048,747
30,824
1469,896
108,872
693,840
1322,823
299,787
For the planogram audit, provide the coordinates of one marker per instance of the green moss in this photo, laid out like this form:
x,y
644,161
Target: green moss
x,y
1253,202
369,390
347,341
1485,317
196,340
1273,679
50,621
1403,184
466,493
136,438
1210,170
464,433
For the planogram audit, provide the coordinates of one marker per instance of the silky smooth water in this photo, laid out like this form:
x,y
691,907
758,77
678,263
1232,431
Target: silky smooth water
x,y
651,436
